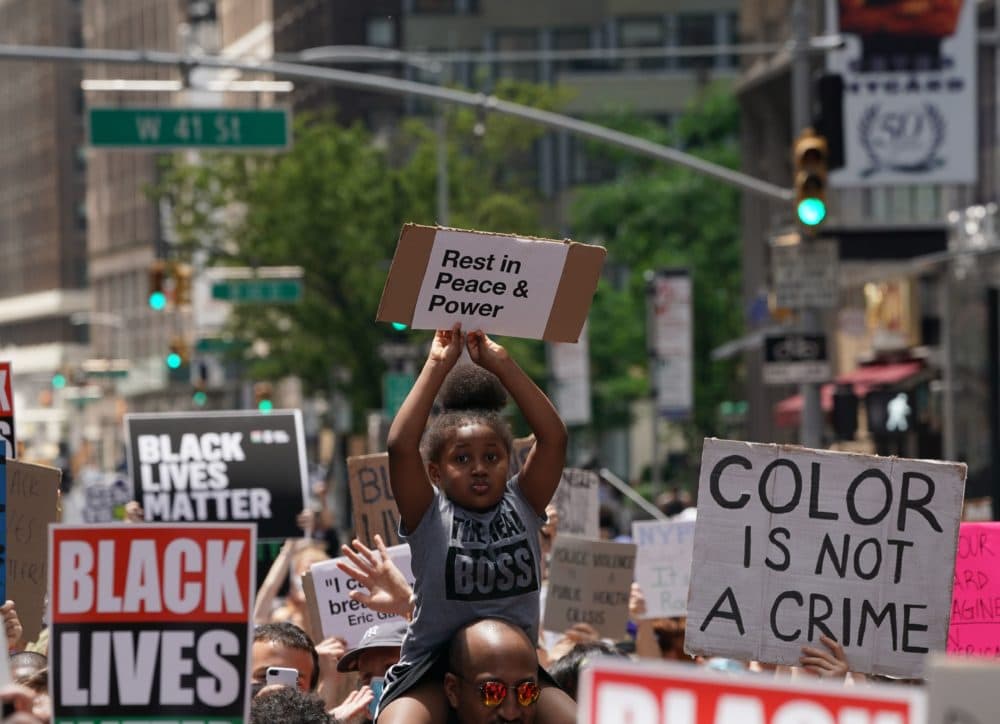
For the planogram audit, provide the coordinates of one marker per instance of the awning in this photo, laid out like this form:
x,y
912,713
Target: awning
x,y
788,411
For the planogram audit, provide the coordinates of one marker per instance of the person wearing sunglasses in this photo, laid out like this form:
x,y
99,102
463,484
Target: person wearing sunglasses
x,y
493,674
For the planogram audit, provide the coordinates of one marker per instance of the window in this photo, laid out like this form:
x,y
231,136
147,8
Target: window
x,y
572,39
514,40
434,6
380,32
696,29
646,32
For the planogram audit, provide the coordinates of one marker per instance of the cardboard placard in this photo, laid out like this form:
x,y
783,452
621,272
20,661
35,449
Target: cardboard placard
x,y
330,603
242,466
577,501
663,564
32,503
151,621
500,283
974,629
962,690
589,582
787,536
373,506
612,690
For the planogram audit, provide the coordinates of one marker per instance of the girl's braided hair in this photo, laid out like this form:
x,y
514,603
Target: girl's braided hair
x,y
469,396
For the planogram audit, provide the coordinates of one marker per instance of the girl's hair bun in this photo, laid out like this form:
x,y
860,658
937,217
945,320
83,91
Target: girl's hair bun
x,y
470,387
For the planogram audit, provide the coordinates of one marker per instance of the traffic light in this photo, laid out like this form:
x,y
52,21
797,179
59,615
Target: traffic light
x,y
262,396
829,117
58,380
810,157
178,355
845,412
157,285
182,284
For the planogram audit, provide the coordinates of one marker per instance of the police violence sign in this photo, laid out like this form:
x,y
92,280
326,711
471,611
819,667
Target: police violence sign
x,y
220,466
612,691
150,621
792,543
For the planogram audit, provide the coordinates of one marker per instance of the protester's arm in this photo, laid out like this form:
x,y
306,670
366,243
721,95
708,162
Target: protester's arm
x,y
646,645
830,664
407,474
12,627
541,472
578,633
352,709
388,591
330,651
325,517
276,575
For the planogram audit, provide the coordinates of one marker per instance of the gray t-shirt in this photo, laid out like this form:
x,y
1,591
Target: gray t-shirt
x,y
490,570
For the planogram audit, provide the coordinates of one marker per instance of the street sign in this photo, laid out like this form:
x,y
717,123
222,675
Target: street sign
x,y
806,274
218,128
396,386
795,359
274,291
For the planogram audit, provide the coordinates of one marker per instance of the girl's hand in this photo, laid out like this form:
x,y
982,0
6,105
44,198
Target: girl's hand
x,y
485,352
447,345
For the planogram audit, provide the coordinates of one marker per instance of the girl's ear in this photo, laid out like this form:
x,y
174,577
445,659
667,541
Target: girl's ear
x,y
434,472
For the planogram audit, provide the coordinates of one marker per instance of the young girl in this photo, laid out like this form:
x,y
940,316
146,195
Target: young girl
x,y
472,532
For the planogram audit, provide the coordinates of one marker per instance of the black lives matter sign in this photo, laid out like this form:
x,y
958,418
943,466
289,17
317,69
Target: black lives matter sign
x,y
793,543
150,622
219,467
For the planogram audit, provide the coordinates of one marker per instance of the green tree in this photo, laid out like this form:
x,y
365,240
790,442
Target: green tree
x,y
652,216
334,205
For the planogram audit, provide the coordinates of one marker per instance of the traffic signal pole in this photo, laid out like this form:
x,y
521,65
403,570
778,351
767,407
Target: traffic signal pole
x,y
811,420
395,86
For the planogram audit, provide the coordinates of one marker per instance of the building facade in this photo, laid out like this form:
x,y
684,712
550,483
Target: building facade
x,y
43,221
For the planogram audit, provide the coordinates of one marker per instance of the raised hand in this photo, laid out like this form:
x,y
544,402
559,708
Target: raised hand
x,y
352,709
388,592
446,346
485,352
830,664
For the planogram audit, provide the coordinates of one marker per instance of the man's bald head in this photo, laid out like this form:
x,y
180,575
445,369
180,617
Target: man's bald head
x,y
490,649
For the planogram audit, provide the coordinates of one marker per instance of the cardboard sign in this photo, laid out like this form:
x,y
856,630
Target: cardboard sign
x,y
975,610
645,693
332,607
32,503
962,691
7,436
237,466
577,501
589,582
792,543
663,564
500,283
372,503
150,621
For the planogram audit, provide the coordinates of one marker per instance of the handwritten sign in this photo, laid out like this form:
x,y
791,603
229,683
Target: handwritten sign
x,y
663,564
502,284
336,613
577,501
589,582
961,690
32,500
792,543
372,503
975,608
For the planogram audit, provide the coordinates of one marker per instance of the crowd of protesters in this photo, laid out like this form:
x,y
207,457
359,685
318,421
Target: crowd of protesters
x,y
468,661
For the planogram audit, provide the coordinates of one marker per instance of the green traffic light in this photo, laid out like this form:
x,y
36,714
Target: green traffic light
x,y
174,361
265,405
199,398
399,326
811,211
157,301
58,381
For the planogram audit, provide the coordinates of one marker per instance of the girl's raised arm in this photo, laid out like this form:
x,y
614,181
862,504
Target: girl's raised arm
x,y
541,472
407,473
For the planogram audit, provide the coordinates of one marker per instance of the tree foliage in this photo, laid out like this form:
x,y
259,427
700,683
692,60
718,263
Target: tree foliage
x,y
653,216
334,205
